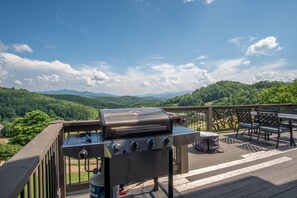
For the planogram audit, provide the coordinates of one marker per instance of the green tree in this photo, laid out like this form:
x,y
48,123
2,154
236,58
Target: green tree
x,y
8,150
7,127
26,128
279,93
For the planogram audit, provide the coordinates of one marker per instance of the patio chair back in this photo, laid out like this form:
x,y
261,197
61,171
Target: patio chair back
x,y
244,115
269,122
268,119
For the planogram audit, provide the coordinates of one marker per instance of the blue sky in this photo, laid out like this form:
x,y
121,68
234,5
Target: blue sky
x,y
134,47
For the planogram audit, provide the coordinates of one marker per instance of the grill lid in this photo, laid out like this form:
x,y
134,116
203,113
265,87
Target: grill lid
x,y
134,122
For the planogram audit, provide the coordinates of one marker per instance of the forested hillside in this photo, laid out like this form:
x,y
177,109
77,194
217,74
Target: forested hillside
x,y
229,93
15,103
106,101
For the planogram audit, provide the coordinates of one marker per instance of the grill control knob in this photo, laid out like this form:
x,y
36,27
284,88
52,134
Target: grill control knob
x,y
133,145
150,143
166,141
83,154
116,148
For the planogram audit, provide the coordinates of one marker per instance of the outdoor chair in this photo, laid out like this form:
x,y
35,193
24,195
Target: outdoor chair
x,y
270,123
245,120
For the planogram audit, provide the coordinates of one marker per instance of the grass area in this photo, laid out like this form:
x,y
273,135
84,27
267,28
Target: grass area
x,y
84,177
197,125
76,176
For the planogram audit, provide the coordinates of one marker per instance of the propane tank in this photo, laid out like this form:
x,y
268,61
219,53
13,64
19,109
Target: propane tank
x,y
97,186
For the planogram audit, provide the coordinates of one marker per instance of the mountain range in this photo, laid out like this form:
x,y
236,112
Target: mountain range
x,y
88,94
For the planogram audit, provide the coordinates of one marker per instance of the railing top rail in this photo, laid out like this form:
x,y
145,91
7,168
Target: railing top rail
x,y
222,106
252,105
16,172
179,108
82,125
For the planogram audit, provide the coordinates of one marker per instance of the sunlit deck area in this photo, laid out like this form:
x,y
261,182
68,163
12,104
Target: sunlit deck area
x,y
244,169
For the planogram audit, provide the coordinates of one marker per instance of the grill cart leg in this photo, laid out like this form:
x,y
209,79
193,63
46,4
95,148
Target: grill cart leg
x,y
170,174
156,184
107,188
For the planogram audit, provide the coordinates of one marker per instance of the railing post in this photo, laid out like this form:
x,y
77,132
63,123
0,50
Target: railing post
x,y
209,126
182,158
62,170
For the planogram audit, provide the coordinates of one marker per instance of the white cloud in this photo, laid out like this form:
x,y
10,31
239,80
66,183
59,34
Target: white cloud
x,y
205,1
265,75
3,73
18,82
92,77
13,61
21,48
236,41
15,48
29,81
247,62
144,84
3,47
209,1
202,57
263,46
39,75
270,75
242,70
48,78
3,70
188,1
225,68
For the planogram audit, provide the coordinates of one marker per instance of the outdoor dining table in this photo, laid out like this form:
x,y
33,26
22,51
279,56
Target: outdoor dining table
x,y
287,116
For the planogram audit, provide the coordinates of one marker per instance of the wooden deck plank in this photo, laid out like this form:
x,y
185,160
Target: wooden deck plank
x,y
291,193
219,190
288,166
261,184
274,190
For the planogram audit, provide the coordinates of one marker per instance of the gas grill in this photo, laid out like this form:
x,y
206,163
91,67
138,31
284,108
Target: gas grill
x,y
135,143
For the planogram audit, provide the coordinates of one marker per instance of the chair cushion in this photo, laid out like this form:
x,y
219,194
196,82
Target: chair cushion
x,y
286,122
255,125
275,129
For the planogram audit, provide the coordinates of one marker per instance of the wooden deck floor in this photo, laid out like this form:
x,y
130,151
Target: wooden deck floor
x,y
244,169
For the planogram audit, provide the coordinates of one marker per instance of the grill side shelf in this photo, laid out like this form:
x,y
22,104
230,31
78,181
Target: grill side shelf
x,y
83,146
184,136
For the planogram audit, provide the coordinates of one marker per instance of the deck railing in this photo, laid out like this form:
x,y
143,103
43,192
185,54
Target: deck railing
x,y
37,169
219,118
40,170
